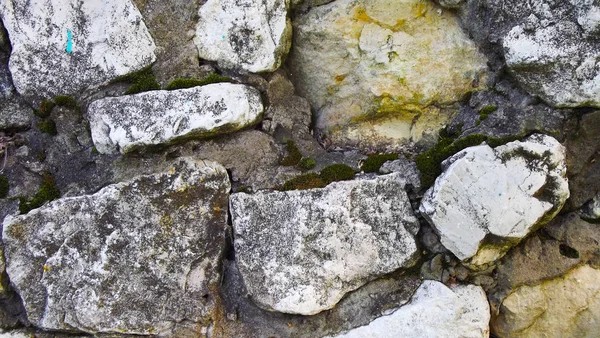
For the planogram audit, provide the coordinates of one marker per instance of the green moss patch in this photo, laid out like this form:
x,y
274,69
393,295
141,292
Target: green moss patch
x,y
374,162
189,83
141,81
3,186
294,155
45,109
487,110
65,101
429,163
48,127
47,192
337,172
303,182
331,173
307,163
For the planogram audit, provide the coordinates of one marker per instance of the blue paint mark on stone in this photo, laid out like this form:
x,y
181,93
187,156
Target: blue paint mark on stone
x,y
69,48
223,36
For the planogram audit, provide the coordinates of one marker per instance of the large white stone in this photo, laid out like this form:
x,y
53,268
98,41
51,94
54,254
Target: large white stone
x,y
568,306
107,38
550,55
435,310
160,117
136,257
380,72
302,251
487,199
247,34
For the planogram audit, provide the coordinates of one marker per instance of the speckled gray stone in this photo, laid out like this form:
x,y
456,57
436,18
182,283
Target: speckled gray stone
x,y
136,257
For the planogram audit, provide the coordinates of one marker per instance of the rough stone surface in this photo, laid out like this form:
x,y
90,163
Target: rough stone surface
x,y
14,112
487,199
435,310
65,46
550,47
408,169
252,157
568,306
360,307
563,244
302,251
136,257
162,117
245,34
367,73
583,160
172,24
507,111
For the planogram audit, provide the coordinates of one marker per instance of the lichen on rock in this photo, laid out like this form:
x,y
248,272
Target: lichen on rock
x,y
487,199
136,257
250,35
62,47
162,117
301,251
383,73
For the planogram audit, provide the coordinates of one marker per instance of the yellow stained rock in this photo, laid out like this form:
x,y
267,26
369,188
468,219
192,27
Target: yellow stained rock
x,y
376,60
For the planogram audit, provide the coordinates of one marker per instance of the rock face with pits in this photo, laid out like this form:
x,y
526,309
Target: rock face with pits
x,y
161,117
62,47
302,251
244,34
487,199
137,257
368,72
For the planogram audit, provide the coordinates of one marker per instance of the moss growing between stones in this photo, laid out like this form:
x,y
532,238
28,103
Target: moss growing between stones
x,y
331,173
375,161
429,162
141,81
47,192
294,155
65,101
337,172
3,186
45,109
307,163
48,127
487,110
189,83
303,182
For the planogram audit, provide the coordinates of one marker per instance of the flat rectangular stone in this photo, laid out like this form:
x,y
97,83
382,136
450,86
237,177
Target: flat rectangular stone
x,y
161,117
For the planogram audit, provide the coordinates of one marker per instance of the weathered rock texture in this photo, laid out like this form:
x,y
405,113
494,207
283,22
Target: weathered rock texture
x,y
65,46
14,112
161,117
583,160
368,71
487,199
550,47
172,25
357,308
244,34
301,251
136,257
435,310
568,306
562,245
